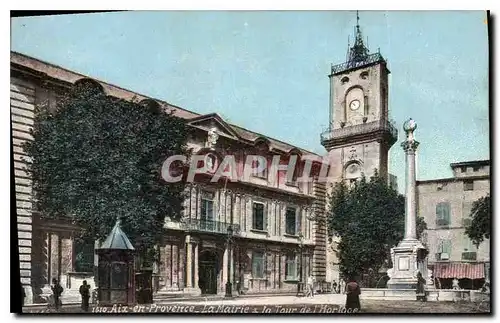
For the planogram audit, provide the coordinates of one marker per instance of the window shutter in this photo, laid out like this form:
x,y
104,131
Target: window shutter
x,y
438,211
446,211
254,215
298,220
264,216
447,247
203,214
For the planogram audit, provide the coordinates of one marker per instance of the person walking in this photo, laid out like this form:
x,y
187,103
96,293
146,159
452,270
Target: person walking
x,y
341,287
310,286
56,291
352,295
23,294
334,287
85,292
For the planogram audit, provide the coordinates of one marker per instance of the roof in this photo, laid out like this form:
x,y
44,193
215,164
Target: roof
x,y
471,163
60,73
452,179
117,239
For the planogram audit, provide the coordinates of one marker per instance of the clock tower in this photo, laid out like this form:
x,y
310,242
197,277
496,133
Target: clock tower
x,y
360,134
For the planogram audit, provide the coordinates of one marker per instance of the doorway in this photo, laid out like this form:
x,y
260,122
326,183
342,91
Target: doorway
x,y
208,271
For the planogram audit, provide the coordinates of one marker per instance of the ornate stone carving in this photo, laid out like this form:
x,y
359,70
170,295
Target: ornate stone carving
x,y
212,138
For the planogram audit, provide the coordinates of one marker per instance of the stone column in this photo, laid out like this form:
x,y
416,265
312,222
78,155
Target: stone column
x,y
407,257
196,265
224,270
188,262
410,146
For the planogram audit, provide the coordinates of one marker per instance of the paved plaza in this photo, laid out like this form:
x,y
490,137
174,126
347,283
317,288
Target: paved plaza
x,y
319,304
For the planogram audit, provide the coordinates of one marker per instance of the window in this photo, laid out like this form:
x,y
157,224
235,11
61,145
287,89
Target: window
x,y
291,221
463,169
207,212
468,185
293,181
476,168
255,172
468,245
291,272
84,256
257,264
443,214
466,214
258,217
444,250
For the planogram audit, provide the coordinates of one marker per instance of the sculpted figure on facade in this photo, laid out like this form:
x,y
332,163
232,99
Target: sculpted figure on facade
x,y
212,138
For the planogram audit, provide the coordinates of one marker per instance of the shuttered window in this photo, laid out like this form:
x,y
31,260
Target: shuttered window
x,y
443,214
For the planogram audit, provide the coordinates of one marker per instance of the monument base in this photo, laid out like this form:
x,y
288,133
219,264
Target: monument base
x,y
405,258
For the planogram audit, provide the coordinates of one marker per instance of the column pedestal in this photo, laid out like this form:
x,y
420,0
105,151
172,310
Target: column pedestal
x,y
405,258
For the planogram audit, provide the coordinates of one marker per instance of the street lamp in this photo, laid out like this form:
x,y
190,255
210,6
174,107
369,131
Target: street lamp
x,y
300,285
229,287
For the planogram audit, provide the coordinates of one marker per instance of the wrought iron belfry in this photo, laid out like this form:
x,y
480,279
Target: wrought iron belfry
x,y
358,52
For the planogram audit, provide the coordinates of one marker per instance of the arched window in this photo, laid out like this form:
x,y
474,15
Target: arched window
x,y
344,80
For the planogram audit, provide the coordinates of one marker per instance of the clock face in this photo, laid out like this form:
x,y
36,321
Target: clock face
x,y
354,105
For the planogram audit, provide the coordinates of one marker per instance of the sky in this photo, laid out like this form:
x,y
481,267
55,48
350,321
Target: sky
x,y
268,71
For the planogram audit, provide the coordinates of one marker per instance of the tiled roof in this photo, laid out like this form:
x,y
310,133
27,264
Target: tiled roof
x,y
63,74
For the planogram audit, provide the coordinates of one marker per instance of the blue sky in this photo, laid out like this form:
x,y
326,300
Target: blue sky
x,y
267,70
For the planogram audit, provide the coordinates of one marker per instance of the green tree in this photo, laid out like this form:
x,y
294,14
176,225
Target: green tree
x,y
368,219
479,229
96,158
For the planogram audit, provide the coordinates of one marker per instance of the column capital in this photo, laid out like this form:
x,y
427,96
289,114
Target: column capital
x,y
410,146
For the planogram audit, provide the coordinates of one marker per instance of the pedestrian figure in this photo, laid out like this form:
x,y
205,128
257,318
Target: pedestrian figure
x,y
23,294
352,299
85,292
310,286
341,287
334,287
455,284
56,291
420,286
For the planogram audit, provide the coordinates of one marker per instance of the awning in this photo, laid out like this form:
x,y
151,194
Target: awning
x,y
459,270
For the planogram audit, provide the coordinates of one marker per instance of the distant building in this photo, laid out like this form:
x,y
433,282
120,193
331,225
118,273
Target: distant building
x,y
446,204
393,182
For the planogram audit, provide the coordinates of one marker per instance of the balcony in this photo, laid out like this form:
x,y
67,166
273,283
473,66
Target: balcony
x,y
209,226
384,126
370,59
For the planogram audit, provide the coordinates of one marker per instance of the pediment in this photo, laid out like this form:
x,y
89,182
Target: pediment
x,y
211,121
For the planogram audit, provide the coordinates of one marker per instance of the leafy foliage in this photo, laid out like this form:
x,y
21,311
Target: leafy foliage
x,y
96,158
479,230
369,220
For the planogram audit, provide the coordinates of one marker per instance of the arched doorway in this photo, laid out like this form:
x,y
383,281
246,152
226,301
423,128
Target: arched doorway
x,y
208,270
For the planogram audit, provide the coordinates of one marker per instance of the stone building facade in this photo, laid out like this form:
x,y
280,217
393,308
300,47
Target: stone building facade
x,y
274,221
446,204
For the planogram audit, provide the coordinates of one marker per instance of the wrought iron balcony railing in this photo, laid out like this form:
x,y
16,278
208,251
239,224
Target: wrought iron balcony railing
x,y
348,131
209,226
370,59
